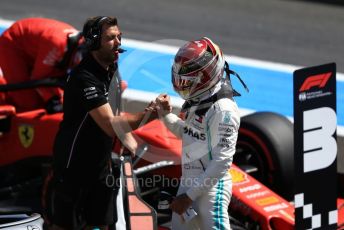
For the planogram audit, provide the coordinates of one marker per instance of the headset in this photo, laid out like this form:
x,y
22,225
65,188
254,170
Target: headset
x,y
93,35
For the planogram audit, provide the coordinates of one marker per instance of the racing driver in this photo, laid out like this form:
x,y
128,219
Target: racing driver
x,y
209,132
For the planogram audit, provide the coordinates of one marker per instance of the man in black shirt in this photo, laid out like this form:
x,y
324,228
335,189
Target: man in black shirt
x,y
84,142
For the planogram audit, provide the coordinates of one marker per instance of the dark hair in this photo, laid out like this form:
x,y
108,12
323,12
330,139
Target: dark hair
x,y
92,30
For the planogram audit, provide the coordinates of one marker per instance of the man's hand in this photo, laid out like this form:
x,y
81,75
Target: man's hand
x,y
150,113
163,104
151,107
180,204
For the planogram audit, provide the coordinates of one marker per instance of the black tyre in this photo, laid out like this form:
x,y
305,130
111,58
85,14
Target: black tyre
x,y
265,150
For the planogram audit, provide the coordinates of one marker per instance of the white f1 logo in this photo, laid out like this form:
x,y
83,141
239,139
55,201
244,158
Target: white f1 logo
x,y
319,146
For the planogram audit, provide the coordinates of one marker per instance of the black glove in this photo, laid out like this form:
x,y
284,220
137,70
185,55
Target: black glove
x,y
54,105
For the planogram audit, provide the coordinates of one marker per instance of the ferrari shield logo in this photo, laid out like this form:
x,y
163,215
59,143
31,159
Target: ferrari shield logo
x,y
26,134
238,177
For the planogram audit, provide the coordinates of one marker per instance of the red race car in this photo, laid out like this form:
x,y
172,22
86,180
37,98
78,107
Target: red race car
x,y
262,171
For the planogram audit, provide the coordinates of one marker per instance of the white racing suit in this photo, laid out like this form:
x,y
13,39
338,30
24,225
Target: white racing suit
x,y
209,142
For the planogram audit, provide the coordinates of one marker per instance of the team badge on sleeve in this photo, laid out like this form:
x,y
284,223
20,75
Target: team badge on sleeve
x,y
90,92
227,118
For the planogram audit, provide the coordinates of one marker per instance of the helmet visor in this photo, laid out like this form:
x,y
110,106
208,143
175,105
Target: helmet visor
x,y
184,85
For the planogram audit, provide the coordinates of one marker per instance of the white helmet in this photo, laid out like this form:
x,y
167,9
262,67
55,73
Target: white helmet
x,y
198,66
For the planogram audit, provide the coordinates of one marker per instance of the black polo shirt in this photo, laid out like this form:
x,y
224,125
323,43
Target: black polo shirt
x,y
82,149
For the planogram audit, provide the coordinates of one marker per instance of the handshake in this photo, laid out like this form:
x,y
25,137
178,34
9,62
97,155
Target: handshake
x,y
160,106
